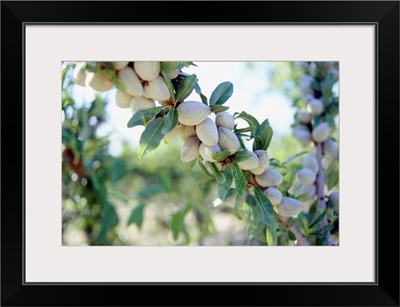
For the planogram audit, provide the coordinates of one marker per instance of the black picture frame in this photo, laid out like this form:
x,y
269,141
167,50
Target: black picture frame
x,y
384,15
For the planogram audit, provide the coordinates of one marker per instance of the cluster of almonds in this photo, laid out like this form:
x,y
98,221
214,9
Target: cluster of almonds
x,y
202,137
306,177
143,84
303,131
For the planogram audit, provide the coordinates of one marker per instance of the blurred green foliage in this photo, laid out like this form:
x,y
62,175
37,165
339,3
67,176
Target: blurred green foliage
x,y
96,184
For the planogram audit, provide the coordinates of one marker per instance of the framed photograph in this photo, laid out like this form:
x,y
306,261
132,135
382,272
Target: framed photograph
x,y
154,151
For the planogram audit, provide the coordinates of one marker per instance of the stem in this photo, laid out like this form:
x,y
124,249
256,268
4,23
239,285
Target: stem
x,y
320,183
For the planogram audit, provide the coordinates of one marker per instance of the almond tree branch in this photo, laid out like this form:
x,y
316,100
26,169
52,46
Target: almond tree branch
x,y
320,183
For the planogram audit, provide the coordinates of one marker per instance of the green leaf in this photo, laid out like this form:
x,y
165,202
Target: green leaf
x,y
264,132
204,99
326,89
291,158
268,215
118,170
301,196
108,220
251,200
171,120
326,232
177,224
317,218
205,181
250,210
171,65
247,129
221,156
144,116
221,93
251,120
266,137
256,230
287,181
217,173
229,194
236,207
240,180
333,106
224,187
151,136
271,235
198,91
136,216
203,168
169,85
331,121
186,87
165,181
218,109
292,236
241,155
332,174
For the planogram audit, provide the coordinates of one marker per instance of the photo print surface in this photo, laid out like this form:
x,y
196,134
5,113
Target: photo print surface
x,y
200,153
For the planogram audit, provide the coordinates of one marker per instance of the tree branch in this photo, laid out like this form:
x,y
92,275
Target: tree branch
x,y
320,183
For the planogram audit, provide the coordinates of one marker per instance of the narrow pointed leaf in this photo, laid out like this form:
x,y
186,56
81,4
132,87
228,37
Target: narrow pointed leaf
x,y
221,156
236,208
241,155
143,116
272,236
223,188
317,218
266,137
202,96
169,85
240,180
287,182
291,158
221,93
171,120
151,136
268,215
205,171
251,120
217,173
218,109
186,87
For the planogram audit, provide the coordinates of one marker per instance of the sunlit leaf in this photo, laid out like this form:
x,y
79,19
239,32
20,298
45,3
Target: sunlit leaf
x,y
240,180
142,117
186,87
221,93
136,216
151,136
